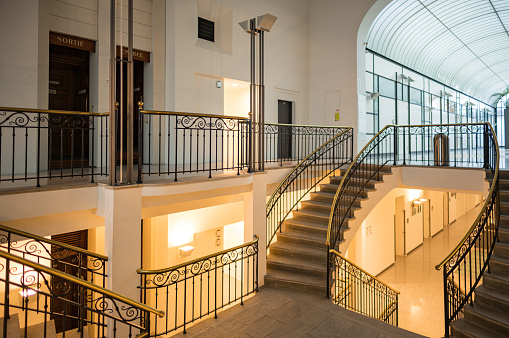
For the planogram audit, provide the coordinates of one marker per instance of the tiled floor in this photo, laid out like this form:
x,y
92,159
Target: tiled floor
x,y
421,306
278,313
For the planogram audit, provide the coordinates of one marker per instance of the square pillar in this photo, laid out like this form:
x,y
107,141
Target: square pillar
x,y
122,242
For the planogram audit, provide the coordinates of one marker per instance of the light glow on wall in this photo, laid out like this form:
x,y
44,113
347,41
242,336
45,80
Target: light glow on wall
x,y
180,233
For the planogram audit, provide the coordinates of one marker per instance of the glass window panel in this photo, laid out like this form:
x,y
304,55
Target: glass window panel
x,y
402,113
387,112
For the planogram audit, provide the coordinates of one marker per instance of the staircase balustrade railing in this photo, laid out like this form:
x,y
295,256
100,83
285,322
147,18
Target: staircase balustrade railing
x,y
64,257
322,162
36,294
470,145
465,265
44,145
359,291
287,143
200,287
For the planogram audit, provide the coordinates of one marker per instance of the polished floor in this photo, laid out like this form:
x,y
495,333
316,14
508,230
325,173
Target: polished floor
x,y
282,313
421,305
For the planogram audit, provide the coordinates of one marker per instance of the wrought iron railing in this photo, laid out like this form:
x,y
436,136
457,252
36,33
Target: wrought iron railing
x,y
42,145
64,257
463,268
321,163
286,143
57,302
359,291
458,145
195,289
185,143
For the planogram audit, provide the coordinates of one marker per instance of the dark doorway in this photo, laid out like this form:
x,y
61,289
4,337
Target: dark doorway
x,y
68,261
284,145
68,90
137,97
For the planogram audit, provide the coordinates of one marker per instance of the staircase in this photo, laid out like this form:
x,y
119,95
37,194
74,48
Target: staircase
x,y
297,260
489,315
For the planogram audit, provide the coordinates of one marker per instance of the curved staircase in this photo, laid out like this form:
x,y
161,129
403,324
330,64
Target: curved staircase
x,y
297,260
489,314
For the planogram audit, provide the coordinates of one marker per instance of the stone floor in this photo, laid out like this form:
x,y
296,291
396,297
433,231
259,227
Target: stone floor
x,y
276,312
421,299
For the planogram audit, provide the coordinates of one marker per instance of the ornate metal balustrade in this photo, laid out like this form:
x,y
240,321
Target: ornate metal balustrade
x,y
458,145
321,163
42,145
39,295
185,143
67,258
464,267
286,143
359,291
195,289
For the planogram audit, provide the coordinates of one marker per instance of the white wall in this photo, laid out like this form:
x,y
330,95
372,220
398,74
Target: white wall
x,y
373,246
286,51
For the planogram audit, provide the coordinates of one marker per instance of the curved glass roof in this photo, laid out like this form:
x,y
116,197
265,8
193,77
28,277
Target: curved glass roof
x,y
462,43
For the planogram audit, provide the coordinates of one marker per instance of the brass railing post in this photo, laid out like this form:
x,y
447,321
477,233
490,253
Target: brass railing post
x,y
140,143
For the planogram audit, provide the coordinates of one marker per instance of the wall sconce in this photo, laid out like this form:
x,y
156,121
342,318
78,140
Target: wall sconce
x,y
185,251
373,96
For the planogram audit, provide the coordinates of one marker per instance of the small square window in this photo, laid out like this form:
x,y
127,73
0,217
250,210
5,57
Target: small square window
x,y
205,29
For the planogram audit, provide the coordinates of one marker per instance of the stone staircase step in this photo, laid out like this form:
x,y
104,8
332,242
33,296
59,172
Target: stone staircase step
x,y
299,252
499,265
316,205
496,321
369,185
496,281
74,333
37,330
501,250
504,221
323,196
463,329
303,225
13,329
302,238
504,207
306,267
503,234
503,184
494,298
295,281
312,215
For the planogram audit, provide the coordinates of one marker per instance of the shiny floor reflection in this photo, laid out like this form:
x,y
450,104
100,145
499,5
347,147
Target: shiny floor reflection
x,y
421,305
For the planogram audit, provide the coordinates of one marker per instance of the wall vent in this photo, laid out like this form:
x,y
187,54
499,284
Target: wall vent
x,y
205,29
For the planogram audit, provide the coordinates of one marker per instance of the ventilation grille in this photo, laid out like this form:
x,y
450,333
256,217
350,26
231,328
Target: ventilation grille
x,y
205,29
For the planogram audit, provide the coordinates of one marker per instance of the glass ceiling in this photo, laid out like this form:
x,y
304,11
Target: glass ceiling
x,y
462,43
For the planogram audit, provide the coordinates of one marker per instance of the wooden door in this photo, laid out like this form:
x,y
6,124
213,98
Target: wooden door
x,y
68,261
138,73
68,90
284,146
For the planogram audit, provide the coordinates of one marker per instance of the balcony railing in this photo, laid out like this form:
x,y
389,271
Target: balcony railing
x,y
195,289
176,144
286,143
48,301
42,145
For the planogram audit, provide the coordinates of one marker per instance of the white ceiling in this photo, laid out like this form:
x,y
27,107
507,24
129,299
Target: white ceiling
x,y
462,43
